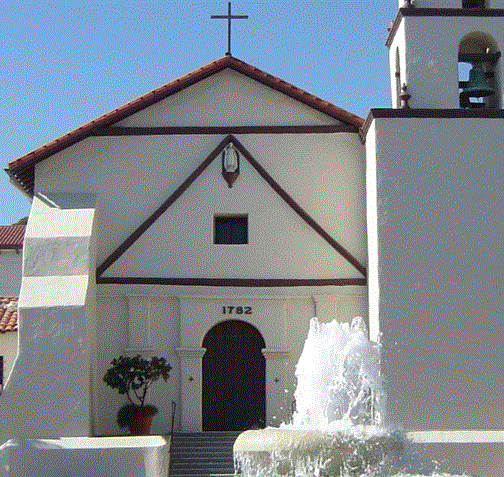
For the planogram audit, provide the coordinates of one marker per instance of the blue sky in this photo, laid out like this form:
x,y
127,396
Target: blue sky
x,y
65,63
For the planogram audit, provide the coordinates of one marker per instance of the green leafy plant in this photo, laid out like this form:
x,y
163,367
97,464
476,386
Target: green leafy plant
x,y
133,376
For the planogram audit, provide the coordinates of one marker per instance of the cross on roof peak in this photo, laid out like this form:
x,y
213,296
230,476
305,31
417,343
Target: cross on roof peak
x,y
229,17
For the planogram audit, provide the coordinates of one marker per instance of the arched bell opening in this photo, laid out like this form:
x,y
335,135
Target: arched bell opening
x,y
234,378
479,82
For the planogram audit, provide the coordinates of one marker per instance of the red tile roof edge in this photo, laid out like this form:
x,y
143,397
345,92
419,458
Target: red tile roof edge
x,y
21,170
12,236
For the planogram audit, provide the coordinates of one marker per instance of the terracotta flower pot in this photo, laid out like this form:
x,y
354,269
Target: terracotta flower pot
x,y
140,425
137,418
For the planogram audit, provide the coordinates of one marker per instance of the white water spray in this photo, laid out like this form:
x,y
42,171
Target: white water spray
x,y
338,376
337,429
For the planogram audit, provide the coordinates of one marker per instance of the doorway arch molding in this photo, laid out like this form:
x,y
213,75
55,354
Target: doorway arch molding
x,y
233,377
198,314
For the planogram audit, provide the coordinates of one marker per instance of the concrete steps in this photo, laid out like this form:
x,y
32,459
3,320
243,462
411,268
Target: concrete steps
x,y
204,454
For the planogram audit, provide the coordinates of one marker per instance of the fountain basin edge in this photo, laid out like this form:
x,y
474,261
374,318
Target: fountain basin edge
x,y
288,451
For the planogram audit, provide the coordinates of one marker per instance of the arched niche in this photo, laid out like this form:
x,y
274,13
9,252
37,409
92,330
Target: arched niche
x,y
479,49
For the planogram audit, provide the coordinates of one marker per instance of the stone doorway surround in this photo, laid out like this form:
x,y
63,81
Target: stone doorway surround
x,y
197,316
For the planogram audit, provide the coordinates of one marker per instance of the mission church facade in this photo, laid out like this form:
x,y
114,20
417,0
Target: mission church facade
x,y
208,220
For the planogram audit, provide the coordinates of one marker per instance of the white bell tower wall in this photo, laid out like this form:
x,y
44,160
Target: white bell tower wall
x,y
434,194
452,3
425,48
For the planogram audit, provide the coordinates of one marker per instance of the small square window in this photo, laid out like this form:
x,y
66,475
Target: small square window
x,y
231,229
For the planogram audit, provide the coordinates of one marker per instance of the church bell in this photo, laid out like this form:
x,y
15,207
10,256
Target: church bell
x,y
477,86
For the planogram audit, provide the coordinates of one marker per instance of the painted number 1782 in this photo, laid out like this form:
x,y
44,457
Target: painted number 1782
x,y
236,310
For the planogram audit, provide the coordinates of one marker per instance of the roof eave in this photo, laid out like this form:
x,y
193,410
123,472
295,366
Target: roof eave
x,y
22,170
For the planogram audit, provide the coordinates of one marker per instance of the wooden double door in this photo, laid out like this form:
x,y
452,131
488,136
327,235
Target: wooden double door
x,y
234,378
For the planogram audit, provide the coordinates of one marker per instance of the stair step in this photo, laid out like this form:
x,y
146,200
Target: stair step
x,y
205,458
203,442
228,463
202,475
202,455
201,470
218,445
192,463
207,454
201,452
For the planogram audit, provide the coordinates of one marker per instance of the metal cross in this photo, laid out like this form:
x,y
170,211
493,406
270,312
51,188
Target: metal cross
x,y
229,17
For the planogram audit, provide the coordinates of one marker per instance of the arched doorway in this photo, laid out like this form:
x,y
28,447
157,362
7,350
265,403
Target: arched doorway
x,y
234,378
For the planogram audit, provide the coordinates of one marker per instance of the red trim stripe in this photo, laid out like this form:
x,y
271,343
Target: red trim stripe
x,y
235,282
166,131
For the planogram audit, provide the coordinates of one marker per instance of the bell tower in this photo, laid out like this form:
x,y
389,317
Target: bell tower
x,y
447,52
435,195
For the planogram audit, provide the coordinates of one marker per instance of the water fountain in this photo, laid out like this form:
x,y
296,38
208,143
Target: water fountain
x,y
338,428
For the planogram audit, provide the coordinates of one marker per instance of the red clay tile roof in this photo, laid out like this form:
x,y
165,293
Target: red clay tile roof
x,y
22,169
12,236
8,314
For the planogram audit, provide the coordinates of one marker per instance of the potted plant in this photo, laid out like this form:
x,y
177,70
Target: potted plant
x,y
133,376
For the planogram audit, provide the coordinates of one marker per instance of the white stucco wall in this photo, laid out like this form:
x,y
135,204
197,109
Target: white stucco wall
x,y
178,318
180,243
450,3
162,319
10,272
466,452
323,173
439,234
52,372
230,98
132,176
435,3
372,203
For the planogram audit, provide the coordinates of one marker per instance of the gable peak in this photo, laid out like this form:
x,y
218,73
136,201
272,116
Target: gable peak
x,y
22,170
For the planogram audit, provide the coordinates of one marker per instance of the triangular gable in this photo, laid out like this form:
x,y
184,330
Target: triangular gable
x,y
227,98
22,169
286,198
